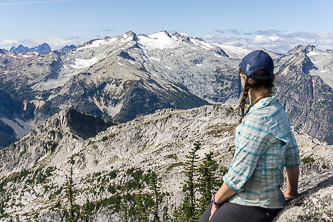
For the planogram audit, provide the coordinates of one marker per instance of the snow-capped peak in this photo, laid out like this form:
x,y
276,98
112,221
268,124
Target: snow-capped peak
x,y
159,40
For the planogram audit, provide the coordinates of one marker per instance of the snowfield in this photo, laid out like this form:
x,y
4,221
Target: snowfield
x,y
83,63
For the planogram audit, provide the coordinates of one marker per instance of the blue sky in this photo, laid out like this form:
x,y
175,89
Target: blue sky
x,y
275,25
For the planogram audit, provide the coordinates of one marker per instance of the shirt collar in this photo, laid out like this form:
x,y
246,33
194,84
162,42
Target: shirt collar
x,y
262,103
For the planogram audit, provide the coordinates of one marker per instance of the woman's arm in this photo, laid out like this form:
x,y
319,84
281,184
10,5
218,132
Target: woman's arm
x,y
223,194
292,181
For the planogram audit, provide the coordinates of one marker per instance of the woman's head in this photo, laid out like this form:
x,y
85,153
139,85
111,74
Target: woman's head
x,y
256,71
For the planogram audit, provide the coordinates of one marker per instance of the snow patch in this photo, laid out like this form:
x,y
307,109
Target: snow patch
x,y
120,63
202,44
323,71
100,42
130,61
312,53
155,59
233,52
114,110
83,63
160,40
199,65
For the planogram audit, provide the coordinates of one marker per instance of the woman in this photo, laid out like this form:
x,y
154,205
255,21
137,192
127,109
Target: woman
x,y
264,146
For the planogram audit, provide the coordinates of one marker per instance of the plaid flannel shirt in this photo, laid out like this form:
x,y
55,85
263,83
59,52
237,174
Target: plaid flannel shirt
x,y
264,146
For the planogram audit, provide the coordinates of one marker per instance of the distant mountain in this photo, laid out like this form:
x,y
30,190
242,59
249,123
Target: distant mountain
x,y
20,48
67,48
41,49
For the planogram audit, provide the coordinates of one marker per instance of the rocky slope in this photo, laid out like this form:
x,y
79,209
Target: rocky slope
x,y
304,85
35,169
11,60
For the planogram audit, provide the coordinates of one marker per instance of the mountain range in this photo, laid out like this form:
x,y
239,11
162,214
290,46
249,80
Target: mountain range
x,y
41,49
130,75
115,108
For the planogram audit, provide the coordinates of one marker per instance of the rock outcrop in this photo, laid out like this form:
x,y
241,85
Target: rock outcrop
x,y
313,203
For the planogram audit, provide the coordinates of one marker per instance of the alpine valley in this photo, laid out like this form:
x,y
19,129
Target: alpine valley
x,y
107,113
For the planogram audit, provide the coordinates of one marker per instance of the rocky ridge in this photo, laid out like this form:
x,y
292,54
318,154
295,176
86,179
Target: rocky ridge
x,y
156,142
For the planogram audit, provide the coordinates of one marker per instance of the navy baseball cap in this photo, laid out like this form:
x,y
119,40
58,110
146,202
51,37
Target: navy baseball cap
x,y
255,61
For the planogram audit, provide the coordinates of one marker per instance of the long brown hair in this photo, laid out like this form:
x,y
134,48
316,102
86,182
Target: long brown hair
x,y
265,86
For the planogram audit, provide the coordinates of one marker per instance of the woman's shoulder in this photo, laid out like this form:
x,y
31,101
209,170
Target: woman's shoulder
x,y
271,114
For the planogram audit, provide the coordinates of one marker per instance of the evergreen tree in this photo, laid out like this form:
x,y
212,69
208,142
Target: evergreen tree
x,y
187,211
140,210
2,206
181,214
124,205
70,195
86,211
157,194
207,181
190,185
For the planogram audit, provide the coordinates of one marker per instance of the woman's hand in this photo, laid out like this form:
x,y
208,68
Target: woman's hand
x,y
214,209
287,194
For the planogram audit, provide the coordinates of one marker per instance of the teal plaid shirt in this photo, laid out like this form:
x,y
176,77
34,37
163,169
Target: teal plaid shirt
x,y
264,146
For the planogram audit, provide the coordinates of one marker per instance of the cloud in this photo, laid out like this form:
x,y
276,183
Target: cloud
x,y
235,31
226,40
220,31
260,39
268,32
275,40
109,30
32,2
8,43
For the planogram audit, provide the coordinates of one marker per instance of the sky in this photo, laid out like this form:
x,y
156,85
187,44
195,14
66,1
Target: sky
x,y
276,25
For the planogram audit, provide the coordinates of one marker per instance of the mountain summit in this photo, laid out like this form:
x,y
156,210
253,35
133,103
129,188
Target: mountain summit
x,y
41,49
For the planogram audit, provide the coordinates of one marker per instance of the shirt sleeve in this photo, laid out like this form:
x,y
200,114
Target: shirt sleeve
x,y
251,140
292,153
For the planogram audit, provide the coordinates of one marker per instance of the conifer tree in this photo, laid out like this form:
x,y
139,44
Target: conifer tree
x,y
190,185
2,206
207,181
187,211
181,214
124,208
157,194
140,210
85,211
70,195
